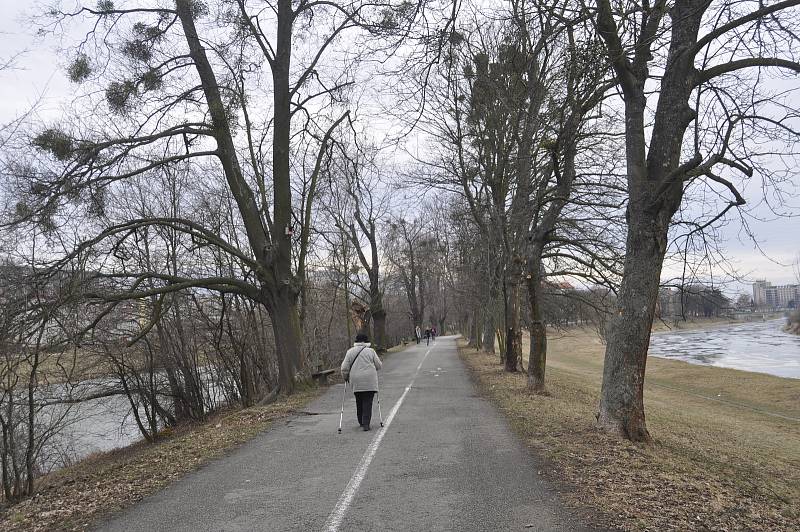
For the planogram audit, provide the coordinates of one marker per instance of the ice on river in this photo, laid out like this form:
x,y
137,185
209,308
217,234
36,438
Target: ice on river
x,y
762,347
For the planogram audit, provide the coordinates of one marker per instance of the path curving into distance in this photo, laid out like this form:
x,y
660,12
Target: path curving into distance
x,y
445,460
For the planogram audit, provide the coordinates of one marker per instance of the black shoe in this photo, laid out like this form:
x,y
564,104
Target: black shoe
x,y
365,428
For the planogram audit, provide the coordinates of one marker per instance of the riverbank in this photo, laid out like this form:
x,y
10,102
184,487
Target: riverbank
x,y
694,324
727,443
76,497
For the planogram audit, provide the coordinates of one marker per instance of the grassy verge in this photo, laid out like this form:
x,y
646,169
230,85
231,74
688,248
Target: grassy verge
x,y
77,497
727,443
693,324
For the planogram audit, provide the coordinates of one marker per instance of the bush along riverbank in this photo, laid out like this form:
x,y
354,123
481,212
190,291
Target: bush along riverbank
x,y
726,454
77,497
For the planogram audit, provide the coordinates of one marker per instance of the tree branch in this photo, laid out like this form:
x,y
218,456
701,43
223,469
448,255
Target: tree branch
x,y
718,70
755,15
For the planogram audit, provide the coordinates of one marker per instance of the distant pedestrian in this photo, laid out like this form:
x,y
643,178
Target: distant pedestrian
x,y
427,336
433,333
417,333
360,368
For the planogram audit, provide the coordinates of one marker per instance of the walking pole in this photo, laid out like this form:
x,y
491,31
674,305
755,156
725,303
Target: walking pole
x,y
341,414
380,416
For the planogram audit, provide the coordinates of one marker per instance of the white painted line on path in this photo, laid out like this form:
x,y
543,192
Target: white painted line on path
x,y
346,498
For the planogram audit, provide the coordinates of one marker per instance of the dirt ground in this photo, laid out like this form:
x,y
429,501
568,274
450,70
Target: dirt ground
x,y
726,454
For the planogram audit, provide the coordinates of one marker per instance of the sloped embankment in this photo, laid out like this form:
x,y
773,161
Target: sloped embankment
x,y
76,497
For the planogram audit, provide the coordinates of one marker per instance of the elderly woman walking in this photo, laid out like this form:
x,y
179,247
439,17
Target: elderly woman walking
x,y
360,368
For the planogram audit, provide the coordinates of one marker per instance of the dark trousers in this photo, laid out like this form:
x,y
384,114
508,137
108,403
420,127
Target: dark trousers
x,y
364,407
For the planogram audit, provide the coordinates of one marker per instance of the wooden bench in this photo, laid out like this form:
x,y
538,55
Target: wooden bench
x,y
322,375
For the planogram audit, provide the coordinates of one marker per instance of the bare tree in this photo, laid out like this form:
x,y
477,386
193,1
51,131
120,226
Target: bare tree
x,y
566,189
183,98
711,110
408,243
361,206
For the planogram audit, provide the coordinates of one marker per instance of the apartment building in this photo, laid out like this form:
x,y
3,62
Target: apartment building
x,y
765,295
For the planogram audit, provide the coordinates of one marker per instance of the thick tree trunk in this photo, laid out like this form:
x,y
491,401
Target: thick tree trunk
x,y
537,358
4,453
513,353
376,300
474,330
655,193
622,394
379,330
284,303
361,318
488,331
282,310
513,349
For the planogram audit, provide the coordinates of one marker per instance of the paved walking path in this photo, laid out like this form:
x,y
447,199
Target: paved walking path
x,y
445,461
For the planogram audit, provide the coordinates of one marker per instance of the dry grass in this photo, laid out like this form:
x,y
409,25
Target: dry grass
x,y
727,443
77,497
692,324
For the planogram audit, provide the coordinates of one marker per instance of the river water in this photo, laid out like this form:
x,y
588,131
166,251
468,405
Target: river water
x,y
91,427
762,347
98,425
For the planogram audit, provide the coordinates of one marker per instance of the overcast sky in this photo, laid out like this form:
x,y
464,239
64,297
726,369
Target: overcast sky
x,y
39,74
